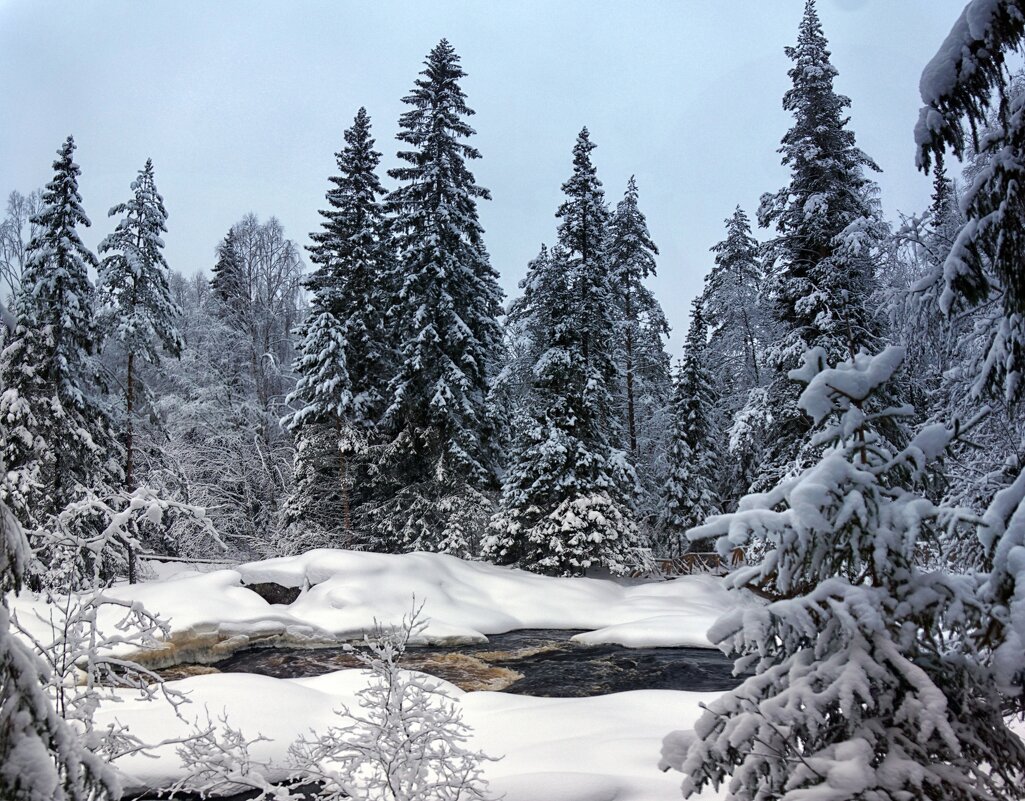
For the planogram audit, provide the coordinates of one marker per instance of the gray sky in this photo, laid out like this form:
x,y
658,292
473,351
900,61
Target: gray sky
x,y
242,105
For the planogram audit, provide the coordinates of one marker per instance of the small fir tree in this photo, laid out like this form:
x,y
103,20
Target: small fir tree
x,y
866,682
228,280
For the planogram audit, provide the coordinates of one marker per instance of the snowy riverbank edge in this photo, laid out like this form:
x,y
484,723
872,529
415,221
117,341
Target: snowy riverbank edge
x,y
342,594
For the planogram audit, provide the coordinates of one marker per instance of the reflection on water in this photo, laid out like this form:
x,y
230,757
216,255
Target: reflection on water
x,y
530,662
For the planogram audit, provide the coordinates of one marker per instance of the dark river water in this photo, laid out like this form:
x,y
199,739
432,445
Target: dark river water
x,y
530,662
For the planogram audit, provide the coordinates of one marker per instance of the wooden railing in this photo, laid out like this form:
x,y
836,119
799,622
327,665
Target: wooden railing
x,y
694,563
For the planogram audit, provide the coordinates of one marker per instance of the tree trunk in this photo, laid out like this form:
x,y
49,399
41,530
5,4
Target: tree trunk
x,y
630,413
130,456
343,484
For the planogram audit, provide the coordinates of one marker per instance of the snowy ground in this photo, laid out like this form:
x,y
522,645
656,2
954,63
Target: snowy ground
x,y
582,749
552,749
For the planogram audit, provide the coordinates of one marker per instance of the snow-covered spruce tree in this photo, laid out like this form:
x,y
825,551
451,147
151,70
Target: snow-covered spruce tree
x,y
137,310
644,363
228,279
41,756
960,87
731,304
344,357
732,307
866,684
632,257
820,266
58,437
439,463
567,498
690,495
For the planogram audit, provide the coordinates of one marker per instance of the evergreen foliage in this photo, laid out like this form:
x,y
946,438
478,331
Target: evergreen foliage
x,y
632,256
964,84
731,305
738,337
826,222
344,357
644,364
134,289
137,312
58,437
441,456
567,499
690,495
41,756
228,280
866,683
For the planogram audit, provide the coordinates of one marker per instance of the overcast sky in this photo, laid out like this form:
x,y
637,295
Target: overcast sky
x,y
241,106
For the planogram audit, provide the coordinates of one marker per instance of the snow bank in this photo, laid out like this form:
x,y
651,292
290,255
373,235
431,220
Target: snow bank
x,y
213,614
574,749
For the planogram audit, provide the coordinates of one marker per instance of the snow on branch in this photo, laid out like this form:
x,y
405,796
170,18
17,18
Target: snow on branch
x,y
958,83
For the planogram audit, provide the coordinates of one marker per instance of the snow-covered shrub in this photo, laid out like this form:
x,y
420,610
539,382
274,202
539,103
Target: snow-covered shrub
x,y
85,544
404,743
86,630
41,756
866,683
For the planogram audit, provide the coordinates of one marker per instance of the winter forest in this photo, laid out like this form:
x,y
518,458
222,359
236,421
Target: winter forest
x,y
361,448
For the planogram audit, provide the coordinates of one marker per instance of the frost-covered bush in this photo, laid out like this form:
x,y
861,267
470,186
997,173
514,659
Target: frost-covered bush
x,y
405,742
85,631
42,758
85,544
867,683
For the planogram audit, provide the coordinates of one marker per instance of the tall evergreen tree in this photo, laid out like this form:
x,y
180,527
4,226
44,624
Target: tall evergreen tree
x,y
827,221
690,494
138,311
632,255
442,456
344,357
568,495
646,384
737,340
58,436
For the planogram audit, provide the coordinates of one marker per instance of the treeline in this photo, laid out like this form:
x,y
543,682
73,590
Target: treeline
x,y
386,400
